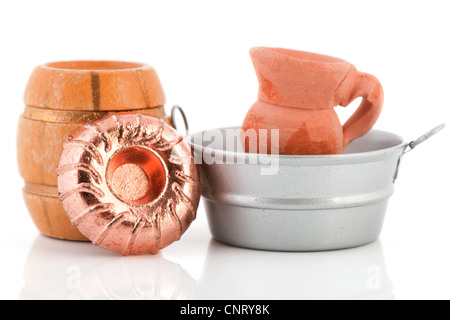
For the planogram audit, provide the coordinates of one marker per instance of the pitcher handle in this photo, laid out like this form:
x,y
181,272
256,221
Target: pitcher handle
x,y
359,84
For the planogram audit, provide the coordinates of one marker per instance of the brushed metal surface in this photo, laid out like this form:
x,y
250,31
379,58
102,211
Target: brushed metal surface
x,y
312,203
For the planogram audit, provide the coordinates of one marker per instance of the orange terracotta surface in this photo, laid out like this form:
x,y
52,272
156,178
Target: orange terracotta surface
x,y
59,98
297,95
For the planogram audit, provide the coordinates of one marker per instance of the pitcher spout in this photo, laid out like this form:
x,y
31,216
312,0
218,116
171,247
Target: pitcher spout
x,y
299,79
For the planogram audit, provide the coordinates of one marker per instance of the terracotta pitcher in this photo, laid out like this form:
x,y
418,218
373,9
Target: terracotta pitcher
x,y
297,95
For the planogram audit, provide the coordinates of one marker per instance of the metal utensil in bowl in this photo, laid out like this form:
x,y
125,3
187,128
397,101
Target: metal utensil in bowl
x,y
298,203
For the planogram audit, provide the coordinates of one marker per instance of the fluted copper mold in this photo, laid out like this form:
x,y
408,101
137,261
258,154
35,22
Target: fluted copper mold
x,y
128,183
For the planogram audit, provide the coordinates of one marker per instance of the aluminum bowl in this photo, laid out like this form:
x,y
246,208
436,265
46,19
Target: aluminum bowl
x,y
298,203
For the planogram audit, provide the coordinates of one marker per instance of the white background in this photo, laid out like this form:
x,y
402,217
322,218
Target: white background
x,y
200,51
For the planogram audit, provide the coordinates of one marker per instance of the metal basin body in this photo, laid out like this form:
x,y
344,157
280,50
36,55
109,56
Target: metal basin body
x,y
297,203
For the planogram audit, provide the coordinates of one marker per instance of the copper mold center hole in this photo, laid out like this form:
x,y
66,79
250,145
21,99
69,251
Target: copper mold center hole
x,y
136,175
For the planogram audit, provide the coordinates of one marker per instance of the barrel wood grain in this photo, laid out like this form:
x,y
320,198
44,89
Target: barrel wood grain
x,y
59,98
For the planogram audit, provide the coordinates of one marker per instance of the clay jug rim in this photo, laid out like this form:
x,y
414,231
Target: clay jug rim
x,y
94,65
300,56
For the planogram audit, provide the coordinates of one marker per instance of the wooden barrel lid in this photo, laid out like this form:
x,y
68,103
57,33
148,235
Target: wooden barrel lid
x,y
94,86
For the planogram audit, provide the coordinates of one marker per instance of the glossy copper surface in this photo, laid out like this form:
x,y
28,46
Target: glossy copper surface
x,y
128,183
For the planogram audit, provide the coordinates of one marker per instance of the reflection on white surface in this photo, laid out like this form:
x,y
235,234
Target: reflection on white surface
x,y
235,273
57,269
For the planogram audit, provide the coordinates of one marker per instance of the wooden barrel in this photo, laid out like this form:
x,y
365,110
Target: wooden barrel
x,y
59,98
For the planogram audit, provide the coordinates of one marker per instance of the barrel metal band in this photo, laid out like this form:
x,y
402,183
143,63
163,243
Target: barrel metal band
x,y
72,116
41,189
